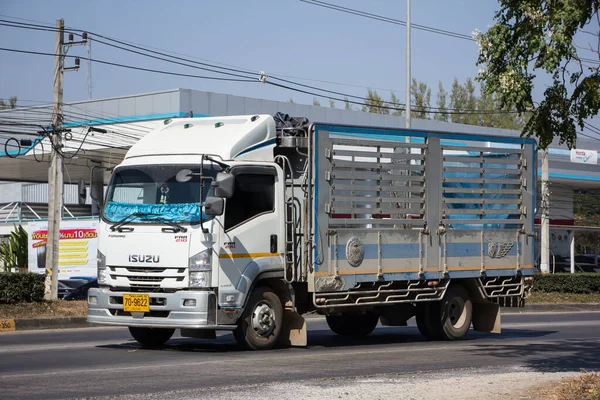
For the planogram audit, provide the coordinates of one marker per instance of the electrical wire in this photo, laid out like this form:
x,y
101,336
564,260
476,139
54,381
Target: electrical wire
x,y
156,71
382,18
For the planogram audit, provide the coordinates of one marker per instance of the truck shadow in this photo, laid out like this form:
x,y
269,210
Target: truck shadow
x,y
324,338
553,356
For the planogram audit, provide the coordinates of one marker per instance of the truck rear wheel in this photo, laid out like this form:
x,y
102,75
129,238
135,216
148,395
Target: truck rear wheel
x,y
457,312
151,337
423,317
448,319
352,325
260,325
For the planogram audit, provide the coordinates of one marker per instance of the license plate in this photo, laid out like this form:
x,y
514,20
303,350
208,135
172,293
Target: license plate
x,y
136,302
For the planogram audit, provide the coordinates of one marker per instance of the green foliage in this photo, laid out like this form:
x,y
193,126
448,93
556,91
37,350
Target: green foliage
x,y
396,104
12,103
316,102
375,104
441,104
567,283
530,37
13,253
331,103
347,105
421,97
21,287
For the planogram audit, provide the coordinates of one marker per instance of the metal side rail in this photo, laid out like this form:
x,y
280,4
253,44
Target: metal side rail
x,y
382,293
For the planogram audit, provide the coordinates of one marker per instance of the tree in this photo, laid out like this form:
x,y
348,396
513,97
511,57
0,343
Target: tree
x,y
421,97
396,104
347,105
530,37
458,101
470,103
375,104
12,103
440,103
331,103
291,100
316,102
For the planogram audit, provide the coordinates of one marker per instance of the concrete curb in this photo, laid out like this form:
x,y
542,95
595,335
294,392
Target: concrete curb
x,y
26,324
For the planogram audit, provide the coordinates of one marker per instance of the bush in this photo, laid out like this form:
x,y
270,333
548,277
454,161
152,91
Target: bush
x,y
21,287
567,283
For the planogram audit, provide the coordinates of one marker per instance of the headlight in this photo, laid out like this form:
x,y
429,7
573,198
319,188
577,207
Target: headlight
x,y
200,279
103,276
199,267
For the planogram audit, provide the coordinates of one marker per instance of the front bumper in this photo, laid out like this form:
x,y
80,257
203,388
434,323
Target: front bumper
x,y
166,310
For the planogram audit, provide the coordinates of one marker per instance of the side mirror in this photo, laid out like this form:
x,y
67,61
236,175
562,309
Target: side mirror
x,y
224,184
214,206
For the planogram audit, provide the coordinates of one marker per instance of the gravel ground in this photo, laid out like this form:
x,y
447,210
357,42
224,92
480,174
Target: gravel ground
x,y
471,384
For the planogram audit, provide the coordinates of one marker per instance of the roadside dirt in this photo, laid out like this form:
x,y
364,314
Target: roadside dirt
x,y
59,308
469,384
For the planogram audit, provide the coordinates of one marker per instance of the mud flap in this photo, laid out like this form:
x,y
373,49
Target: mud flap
x,y
294,329
486,317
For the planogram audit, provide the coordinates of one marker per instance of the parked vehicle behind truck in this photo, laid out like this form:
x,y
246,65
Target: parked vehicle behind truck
x,y
244,223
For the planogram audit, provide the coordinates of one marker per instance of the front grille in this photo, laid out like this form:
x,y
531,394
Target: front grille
x,y
155,270
145,278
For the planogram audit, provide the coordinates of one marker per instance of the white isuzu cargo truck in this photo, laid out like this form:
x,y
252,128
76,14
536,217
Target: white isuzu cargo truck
x,y
244,223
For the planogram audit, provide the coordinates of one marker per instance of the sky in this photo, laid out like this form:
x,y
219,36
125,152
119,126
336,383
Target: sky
x,y
284,38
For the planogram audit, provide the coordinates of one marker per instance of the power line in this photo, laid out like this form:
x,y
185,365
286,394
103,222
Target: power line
x,y
398,107
97,35
130,66
382,18
208,62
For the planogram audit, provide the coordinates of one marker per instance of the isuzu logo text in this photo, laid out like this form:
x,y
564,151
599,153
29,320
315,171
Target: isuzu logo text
x,y
147,258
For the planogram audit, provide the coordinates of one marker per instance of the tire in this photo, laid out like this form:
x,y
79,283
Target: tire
x,y
151,337
457,313
352,325
260,325
450,318
423,317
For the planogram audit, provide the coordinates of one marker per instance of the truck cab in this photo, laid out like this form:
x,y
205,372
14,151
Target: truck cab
x,y
185,235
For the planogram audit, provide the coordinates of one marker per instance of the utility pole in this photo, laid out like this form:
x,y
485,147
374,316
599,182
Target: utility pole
x,y
55,174
408,77
545,203
55,184
89,77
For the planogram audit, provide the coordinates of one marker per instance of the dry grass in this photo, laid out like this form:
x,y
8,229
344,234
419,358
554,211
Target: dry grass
x,y
582,387
59,308
562,298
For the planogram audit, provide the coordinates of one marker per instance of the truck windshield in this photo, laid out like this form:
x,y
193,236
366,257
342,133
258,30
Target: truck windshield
x,y
171,191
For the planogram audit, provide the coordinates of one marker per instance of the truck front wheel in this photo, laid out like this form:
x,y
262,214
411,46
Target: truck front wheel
x,y
352,325
151,337
260,325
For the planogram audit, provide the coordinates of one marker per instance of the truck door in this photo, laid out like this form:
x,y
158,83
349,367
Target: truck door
x,y
253,225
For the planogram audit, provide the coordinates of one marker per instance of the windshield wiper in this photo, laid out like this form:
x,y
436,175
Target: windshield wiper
x,y
128,219
175,227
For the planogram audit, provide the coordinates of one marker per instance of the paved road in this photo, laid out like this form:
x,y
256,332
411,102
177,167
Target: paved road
x,y
106,362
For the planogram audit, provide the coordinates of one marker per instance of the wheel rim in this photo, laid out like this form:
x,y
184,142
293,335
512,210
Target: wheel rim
x,y
263,319
457,314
